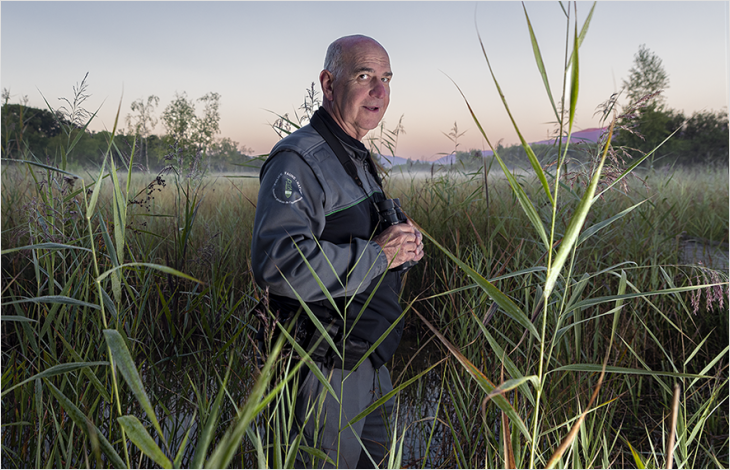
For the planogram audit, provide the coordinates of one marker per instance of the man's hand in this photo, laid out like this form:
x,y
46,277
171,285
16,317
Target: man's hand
x,y
401,243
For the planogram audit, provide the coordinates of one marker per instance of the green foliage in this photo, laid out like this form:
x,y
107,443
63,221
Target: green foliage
x,y
556,296
646,77
24,127
189,133
142,123
42,137
179,120
700,138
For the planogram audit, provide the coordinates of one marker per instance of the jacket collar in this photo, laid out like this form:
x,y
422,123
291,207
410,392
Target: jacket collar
x,y
347,140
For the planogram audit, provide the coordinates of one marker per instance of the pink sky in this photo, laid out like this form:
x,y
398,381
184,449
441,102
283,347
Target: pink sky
x,y
261,56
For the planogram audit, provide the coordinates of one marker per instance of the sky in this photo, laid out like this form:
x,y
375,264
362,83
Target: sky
x,y
262,56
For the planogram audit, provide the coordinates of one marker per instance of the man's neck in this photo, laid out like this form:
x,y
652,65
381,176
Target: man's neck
x,y
338,131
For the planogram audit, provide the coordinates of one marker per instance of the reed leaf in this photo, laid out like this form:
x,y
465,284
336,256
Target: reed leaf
x,y
95,193
381,401
207,434
308,361
575,86
142,439
540,63
504,302
576,222
39,416
230,442
159,267
610,298
124,362
119,211
54,370
313,318
480,378
89,428
41,165
53,299
583,32
637,458
18,318
115,275
519,192
530,154
181,450
626,371
509,275
45,246
103,392
511,384
385,334
595,228
508,364
321,285
710,365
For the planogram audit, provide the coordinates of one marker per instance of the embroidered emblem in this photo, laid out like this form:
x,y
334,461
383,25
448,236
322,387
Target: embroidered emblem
x,y
287,189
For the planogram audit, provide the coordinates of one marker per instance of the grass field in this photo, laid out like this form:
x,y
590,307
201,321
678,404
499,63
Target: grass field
x,y
183,334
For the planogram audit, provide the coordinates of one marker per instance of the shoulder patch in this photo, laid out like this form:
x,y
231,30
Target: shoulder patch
x,y
287,189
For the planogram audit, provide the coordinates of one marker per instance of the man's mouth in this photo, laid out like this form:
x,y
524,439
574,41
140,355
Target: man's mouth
x,y
374,109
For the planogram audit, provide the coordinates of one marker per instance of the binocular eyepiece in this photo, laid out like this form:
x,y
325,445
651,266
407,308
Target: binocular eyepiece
x,y
391,214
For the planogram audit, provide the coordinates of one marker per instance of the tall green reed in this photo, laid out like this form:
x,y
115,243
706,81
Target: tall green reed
x,y
87,293
559,296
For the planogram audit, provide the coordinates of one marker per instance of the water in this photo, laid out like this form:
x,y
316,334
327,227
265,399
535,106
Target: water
x,y
416,406
705,252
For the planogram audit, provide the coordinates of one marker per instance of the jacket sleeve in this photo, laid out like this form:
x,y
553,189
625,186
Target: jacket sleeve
x,y
290,217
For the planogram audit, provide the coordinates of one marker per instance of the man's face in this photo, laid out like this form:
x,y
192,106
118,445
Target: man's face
x,y
360,96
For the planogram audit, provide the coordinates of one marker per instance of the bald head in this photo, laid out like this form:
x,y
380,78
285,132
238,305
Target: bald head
x,y
338,52
356,83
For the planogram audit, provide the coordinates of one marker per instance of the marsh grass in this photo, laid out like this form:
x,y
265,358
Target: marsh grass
x,y
183,358
547,326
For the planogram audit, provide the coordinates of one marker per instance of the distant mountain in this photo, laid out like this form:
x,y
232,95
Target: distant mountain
x,y
587,135
389,161
451,159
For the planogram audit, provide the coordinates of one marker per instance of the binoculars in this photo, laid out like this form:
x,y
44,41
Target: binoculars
x,y
390,213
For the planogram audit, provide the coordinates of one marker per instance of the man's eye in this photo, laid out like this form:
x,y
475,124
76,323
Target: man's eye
x,y
363,76
385,79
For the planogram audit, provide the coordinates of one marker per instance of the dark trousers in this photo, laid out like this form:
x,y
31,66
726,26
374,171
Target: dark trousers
x,y
325,420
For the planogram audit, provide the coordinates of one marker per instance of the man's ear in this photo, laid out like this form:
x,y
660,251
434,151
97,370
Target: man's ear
x,y
326,82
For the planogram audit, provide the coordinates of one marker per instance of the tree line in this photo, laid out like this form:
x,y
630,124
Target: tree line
x,y
644,123
191,138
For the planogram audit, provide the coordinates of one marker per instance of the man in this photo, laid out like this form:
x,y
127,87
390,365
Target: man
x,y
315,214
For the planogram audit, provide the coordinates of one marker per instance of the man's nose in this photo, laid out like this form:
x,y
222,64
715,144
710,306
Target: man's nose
x,y
378,89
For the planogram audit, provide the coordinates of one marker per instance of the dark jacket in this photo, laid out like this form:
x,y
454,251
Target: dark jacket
x,y
311,216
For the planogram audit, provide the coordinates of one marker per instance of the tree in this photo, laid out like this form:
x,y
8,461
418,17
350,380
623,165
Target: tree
x,y
25,127
646,77
191,134
226,154
706,135
207,125
143,122
178,119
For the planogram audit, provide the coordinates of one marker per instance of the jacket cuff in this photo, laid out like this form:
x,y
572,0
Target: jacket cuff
x,y
381,262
